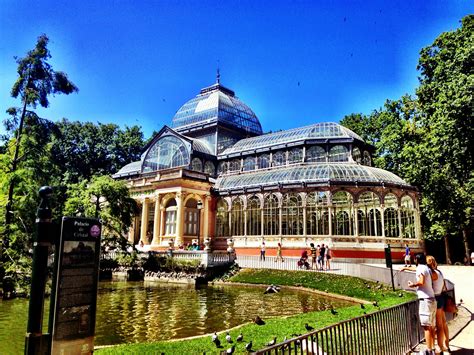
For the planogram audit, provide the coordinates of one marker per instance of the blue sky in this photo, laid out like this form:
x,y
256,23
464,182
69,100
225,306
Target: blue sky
x,y
293,62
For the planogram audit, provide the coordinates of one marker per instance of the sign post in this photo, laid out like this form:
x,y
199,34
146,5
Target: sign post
x,y
76,286
388,263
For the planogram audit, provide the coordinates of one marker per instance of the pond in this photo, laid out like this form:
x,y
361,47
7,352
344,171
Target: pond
x,y
130,312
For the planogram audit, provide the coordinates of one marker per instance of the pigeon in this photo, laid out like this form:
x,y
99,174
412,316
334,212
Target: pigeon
x,y
272,289
240,337
362,306
228,337
333,311
308,327
375,303
248,346
215,340
400,294
273,342
258,321
231,350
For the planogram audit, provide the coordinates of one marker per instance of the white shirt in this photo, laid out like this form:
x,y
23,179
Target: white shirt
x,y
425,290
438,284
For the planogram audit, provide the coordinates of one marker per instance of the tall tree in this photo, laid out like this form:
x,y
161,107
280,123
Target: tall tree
x,y
446,97
36,82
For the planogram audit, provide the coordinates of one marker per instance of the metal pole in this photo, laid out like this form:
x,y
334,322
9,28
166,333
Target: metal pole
x,y
42,242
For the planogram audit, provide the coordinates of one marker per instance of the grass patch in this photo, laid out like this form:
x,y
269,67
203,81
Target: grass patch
x,y
281,327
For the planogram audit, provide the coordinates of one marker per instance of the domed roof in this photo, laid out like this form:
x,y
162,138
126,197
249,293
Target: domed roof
x,y
214,104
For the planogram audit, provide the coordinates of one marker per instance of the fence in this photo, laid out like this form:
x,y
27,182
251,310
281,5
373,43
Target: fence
x,y
394,330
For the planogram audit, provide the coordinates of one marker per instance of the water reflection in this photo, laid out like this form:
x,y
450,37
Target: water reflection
x,y
138,312
150,311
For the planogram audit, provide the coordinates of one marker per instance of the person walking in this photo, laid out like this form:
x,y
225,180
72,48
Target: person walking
x,y
407,258
262,251
442,331
279,255
426,297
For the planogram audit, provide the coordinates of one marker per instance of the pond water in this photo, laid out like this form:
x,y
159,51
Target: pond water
x,y
130,312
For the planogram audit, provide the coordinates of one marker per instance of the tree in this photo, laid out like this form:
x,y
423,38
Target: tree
x,y
36,82
104,198
445,96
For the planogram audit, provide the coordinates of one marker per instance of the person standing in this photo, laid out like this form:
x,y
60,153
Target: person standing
x,y
407,256
426,297
279,256
314,254
442,331
328,258
262,250
322,254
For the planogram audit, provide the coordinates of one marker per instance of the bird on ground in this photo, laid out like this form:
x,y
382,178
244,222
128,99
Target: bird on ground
x,y
362,306
376,304
272,342
231,350
272,289
228,338
333,311
308,327
400,294
258,321
240,337
248,346
215,340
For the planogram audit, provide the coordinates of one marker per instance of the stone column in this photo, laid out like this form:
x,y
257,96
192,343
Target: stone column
x,y
245,222
205,229
262,223
356,220
382,213
162,224
330,220
157,221
304,222
400,229
144,223
179,219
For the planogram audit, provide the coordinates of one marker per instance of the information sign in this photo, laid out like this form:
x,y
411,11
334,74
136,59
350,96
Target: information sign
x,y
76,286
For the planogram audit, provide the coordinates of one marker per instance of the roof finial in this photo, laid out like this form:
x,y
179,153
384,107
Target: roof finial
x,y
218,76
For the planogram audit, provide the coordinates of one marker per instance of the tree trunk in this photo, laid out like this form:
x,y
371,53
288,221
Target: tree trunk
x,y
447,250
465,239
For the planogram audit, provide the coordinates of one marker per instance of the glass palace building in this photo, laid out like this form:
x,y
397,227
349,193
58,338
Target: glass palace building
x,y
214,174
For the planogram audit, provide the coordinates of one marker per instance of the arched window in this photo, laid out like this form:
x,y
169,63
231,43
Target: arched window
x,y
338,153
391,216
367,160
317,214
263,161
292,215
279,158
369,222
222,219
342,216
407,211
191,218
315,154
196,164
167,152
295,155
237,218
170,217
234,165
249,164
356,156
254,216
222,168
271,216
209,168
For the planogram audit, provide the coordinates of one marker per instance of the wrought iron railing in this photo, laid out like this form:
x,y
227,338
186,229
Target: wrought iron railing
x,y
395,330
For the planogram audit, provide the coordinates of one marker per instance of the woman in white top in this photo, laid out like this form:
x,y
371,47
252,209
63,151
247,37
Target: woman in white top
x,y
442,333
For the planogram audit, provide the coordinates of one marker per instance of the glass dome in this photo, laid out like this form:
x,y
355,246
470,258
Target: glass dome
x,y
216,104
